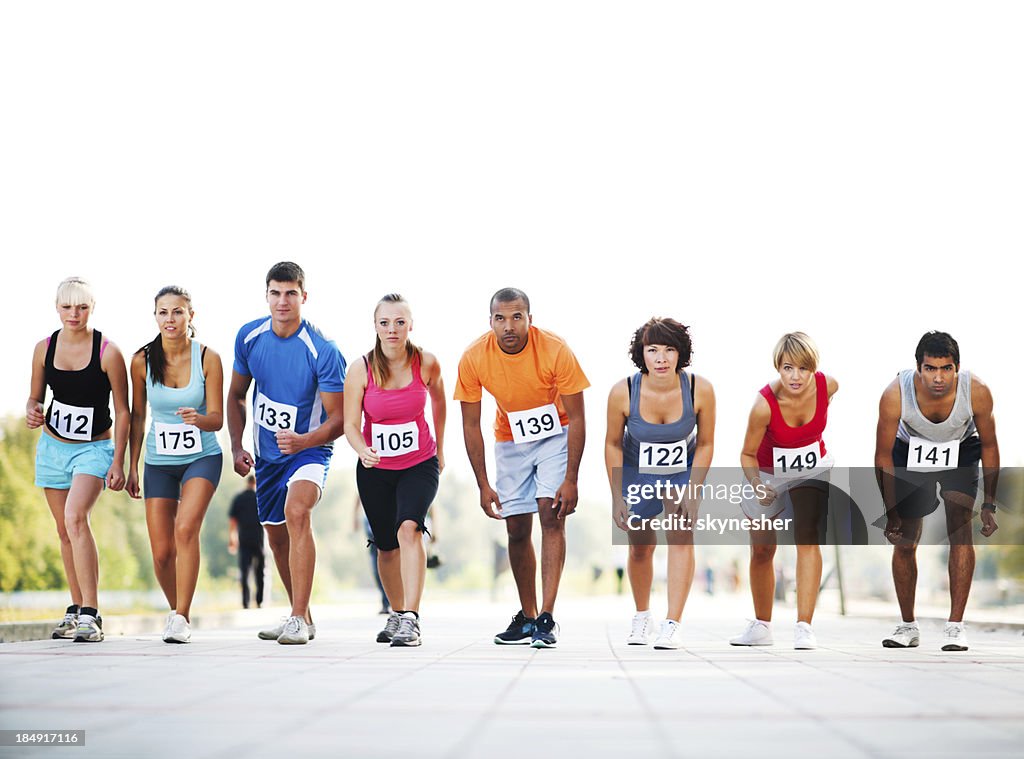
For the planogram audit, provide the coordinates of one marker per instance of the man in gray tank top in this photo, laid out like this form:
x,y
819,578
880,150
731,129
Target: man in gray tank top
x,y
935,424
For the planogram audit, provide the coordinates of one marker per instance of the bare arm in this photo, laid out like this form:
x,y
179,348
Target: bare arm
x,y
138,423
757,425
705,409
832,385
355,389
889,409
474,440
34,414
213,419
289,441
113,364
981,401
236,421
567,495
438,405
618,412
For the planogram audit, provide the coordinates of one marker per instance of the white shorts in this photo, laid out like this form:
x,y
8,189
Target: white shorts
x,y
529,471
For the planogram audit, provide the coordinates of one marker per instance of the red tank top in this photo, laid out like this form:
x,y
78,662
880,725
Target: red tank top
x,y
781,435
394,421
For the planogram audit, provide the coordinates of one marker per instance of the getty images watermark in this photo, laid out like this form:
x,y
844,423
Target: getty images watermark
x,y
667,492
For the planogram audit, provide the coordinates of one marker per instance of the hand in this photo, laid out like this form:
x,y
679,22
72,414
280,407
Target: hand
x,y
132,487
565,499
988,522
440,462
894,528
620,514
243,462
232,547
34,416
369,457
488,497
115,477
188,415
769,493
289,442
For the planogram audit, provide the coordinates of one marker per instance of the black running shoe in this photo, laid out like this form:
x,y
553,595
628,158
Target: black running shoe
x,y
519,632
545,632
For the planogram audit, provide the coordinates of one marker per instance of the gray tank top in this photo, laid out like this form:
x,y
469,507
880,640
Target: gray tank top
x,y
639,430
959,425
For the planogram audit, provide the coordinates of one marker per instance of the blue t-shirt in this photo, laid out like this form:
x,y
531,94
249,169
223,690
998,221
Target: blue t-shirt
x,y
290,373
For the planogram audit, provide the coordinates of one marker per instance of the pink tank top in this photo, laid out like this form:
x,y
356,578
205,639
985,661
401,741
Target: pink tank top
x,y
394,422
779,434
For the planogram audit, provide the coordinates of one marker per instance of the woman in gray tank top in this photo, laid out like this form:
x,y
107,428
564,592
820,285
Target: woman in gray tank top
x,y
660,435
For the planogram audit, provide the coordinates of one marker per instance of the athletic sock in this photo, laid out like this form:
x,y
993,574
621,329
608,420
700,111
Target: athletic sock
x,y
73,609
90,611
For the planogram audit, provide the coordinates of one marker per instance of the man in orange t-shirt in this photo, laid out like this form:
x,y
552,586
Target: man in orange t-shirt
x,y
540,431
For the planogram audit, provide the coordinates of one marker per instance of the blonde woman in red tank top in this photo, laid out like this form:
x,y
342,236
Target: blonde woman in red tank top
x,y
785,459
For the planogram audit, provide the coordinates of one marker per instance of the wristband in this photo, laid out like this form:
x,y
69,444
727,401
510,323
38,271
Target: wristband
x,y
988,505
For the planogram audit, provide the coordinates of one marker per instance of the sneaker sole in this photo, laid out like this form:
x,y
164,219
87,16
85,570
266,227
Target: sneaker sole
x,y
292,642
520,642
542,644
887,643
267,636
410,644
804,648
751,645
89,640
174,640
56,636
954,647
636,643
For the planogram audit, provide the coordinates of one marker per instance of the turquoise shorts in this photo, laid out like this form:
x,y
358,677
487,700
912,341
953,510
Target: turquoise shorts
x,y
58,462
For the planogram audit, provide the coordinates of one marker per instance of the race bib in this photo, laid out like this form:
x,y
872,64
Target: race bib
x,y
662,458
395,439
177,439
929,456
71,422
797,462
534,424
274,416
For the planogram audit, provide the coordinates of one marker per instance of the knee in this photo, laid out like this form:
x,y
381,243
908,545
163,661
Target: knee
x,y
408,532
62,533
278,542
185,533
76,524
905,552
296,515
762,554
641,552
518,534
163,555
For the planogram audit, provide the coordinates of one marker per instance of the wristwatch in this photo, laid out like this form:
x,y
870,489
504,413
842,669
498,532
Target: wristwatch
x,y
988,505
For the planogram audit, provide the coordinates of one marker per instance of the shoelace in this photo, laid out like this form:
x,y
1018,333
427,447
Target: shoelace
x,y
406,625
952,631
70,620
909,629
291,626
392,625
639,625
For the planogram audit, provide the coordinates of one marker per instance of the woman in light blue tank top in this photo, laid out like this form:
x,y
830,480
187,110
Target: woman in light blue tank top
x,y
183,384
661,424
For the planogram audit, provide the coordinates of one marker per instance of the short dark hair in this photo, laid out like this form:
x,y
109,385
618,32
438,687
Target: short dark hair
x,y
937,344
287,271
661,332
509,294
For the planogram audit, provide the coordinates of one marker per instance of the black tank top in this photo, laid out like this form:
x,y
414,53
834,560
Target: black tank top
x,y
80,409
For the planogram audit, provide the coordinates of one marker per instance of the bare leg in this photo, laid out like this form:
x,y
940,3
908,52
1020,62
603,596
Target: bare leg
x,y
85,489
762,573
298,511
904,568
160,515
195,499
523,560
961,552
56,499
552,552
681,568
389,567
809,511
414,564
277,537
640,567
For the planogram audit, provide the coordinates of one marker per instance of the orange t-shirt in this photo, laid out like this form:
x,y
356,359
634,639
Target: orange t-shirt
x,y
538,375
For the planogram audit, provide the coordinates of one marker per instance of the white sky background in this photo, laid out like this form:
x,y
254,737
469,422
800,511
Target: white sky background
x,y
748,168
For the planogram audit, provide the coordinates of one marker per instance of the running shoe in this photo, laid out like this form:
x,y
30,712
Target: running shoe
x,y
273,633
519,632
757,633
89,630
178,630
906,635
954,637
669,637
295,632
545,632
640,632
66,628
803,637
408,631
390,628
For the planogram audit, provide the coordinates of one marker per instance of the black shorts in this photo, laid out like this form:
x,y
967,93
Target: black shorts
x,y
393,496
915,491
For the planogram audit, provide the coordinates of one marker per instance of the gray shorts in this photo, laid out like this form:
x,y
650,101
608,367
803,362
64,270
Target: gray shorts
x,y
165,481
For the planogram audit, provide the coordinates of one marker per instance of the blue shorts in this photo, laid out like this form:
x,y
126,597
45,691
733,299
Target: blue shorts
x,y
58,462
273,479
165,480
529,471
648,508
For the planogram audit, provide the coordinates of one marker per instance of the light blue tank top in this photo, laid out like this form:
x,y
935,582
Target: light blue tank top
x,y
638,430
163,402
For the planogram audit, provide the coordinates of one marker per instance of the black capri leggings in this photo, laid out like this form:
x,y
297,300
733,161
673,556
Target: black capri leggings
x,y
392,496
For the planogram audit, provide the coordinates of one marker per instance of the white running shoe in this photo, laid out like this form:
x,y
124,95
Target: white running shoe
x,y
66,628
295,632
954,637
757,633
906,635
669,637
89,630
178,630
273,633
803,637
643,626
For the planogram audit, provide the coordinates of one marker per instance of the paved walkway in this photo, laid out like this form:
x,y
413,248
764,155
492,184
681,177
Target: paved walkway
x,y
230,695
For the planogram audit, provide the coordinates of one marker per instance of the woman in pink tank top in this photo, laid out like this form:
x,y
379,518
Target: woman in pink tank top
x,y
400,461
785,460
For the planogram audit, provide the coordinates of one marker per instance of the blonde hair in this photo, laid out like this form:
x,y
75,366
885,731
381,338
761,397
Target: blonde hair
x,y
799,347
74,291
377,360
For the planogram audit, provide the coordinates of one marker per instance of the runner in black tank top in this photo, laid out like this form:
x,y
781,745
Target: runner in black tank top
x,y
78,451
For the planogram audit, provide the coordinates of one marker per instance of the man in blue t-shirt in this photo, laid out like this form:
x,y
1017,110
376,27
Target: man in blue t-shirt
x,y
297,413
